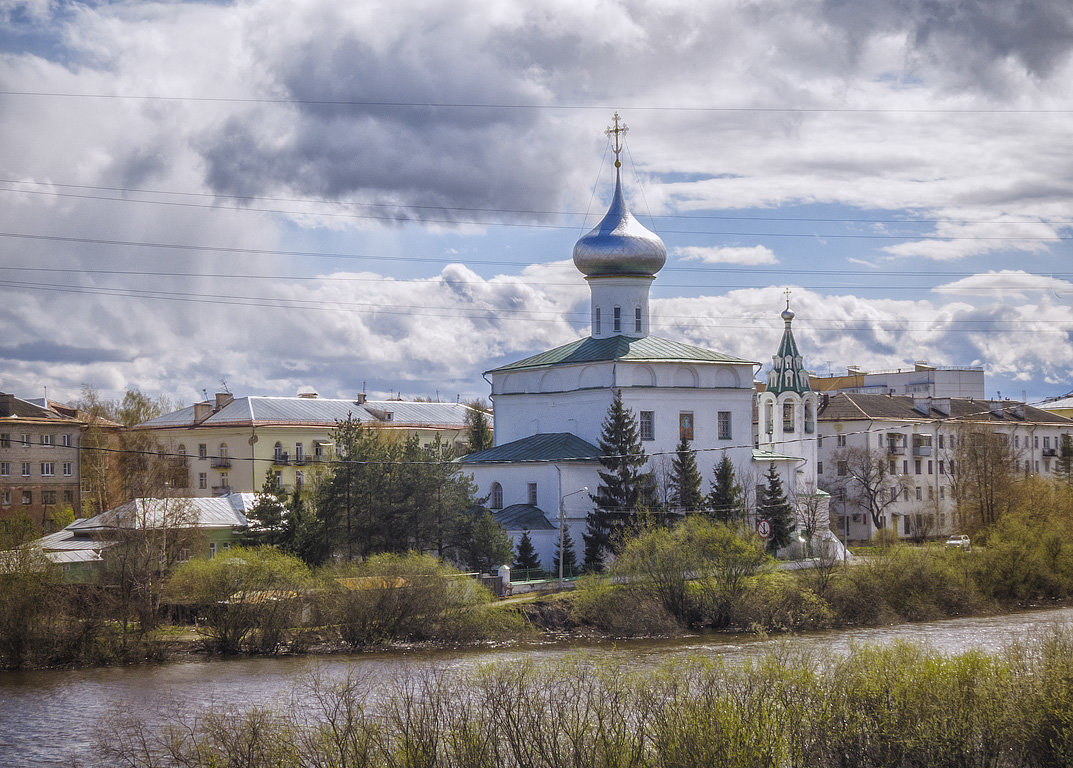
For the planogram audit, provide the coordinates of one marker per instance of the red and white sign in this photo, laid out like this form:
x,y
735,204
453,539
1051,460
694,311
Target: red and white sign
x,y
763,528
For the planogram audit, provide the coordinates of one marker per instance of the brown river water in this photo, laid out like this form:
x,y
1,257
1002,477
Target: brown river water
x,y
49,717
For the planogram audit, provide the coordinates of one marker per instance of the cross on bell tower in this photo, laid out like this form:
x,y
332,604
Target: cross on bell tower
x,y
618,132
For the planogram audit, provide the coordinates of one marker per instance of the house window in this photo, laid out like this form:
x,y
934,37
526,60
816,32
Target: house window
x,y
27,498
212,549
202,451
596,322
725,432
46,440
68,469
841,468
5,440
184,555
5,469
68,497
5,498
618,319
532,489
48,497
840,441
25,469
496,496
202,480
685,425
648,430
637,319
48,469
26,440
66,441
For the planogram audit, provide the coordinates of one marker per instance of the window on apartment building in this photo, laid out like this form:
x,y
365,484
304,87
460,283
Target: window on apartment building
x,y
5,498
48,497
1036,464
840,441
596,321
1046,442
299,479
5,469
25,440
65,440
1016,441
46,440
920,494
299,452
841,468
5,440
905,466
279,479
725,431
819,467
905,495
223,451
68,496
931,493
942,467
1046,465
1028,466
648,431
931,467
893,495
496,496
941,441
27,498
685,425
942,491
891,467
617,315
202,480
637,319
1035,441
531,489
819,441
916,466
68,469
202,451
25,469
48,469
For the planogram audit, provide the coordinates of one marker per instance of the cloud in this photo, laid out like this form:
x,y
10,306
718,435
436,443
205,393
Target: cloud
x,y
757,254
1008,283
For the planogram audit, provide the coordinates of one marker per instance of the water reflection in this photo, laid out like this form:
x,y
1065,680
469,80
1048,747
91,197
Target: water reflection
x,y
49,717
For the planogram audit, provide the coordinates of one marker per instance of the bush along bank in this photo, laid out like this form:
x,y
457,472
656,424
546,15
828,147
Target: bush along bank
x,y
701,574
894,706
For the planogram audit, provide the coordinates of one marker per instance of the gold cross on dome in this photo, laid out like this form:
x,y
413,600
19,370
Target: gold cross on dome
x,y
787,292
618,132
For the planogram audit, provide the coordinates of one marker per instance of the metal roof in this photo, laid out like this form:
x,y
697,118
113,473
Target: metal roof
x,y
851,407
523,517
554,446
216,512
256,410
644,349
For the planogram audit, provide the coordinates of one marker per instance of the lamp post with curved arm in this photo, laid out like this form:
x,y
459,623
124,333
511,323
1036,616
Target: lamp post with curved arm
x,y
562,524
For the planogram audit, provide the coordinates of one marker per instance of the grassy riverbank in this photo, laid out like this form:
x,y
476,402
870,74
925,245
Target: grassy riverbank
x,y
902,705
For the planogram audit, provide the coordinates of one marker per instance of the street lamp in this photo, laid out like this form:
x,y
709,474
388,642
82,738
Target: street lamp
x,y
562,523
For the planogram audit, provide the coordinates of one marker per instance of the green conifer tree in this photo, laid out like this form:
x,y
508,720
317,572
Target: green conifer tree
x,y
478,431
724,502
775,508
267,517
569,557
525,557
685,479
624,489
1064,468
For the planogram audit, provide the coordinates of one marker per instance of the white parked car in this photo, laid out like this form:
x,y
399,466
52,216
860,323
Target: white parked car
x,y
960,541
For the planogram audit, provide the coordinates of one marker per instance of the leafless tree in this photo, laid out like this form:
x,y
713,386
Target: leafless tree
x,y
866,477
983,476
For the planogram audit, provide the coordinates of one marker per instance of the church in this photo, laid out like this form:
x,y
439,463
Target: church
x,y
549,408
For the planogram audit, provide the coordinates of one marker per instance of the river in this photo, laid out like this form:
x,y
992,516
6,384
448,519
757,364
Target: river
x,y
49,717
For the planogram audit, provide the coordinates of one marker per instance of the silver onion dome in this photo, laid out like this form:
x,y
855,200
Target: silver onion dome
x,y
619,244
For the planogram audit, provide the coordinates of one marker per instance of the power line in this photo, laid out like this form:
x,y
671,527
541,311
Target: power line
x,y
534,106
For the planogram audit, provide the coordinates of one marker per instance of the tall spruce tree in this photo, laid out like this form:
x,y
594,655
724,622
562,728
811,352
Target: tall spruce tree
x,y
478,430
624,488
567,554
525,557
685,479
724,502
268,517
774,507
1064,465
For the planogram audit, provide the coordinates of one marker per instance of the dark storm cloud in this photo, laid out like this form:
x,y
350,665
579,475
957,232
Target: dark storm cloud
x,y
46,351
972,39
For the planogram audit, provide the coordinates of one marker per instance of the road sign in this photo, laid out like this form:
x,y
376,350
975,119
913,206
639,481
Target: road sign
x,y
763,528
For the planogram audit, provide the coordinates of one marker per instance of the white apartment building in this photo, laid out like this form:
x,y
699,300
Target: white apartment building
x,y
916,438
922,380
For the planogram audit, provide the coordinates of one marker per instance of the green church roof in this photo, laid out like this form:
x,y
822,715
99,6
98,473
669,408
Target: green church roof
x,y
644,349
788,372
554,446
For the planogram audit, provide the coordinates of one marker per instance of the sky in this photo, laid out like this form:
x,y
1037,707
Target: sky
x,y
384,196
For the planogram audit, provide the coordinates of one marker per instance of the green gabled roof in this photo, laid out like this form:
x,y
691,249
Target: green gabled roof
x,y
523,517
647,348
555,446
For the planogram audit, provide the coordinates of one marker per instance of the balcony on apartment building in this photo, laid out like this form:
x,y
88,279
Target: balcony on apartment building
x,y
281,459
220,462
